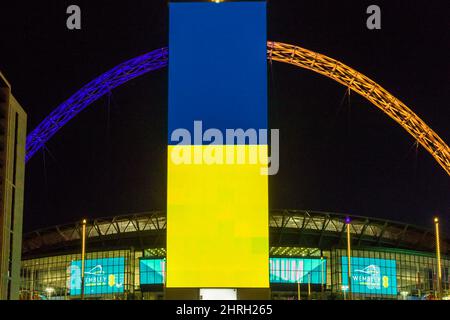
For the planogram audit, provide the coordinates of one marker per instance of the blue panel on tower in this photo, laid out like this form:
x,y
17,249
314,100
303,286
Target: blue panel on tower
x,y
218,65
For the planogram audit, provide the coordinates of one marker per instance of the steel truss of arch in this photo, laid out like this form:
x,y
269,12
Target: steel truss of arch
x,y
370,90
277,51
91,92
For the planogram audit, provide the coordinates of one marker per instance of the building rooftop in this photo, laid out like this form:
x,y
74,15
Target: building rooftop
x,y
288,228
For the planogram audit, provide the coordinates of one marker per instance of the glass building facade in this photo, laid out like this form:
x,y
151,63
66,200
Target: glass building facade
x,y
125,260
129,274
108,275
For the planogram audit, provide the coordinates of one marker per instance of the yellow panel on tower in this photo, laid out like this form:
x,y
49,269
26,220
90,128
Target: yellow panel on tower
x,y
218,229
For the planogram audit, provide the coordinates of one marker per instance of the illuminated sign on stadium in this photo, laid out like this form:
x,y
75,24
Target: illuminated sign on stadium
x,y
298,270
370,275
282,270
101,276
152,271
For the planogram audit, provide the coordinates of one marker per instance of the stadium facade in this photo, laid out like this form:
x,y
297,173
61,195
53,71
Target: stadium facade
x,y
126,259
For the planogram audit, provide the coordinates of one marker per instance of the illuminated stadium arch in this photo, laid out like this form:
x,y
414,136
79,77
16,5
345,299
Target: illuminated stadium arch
x,y
277,51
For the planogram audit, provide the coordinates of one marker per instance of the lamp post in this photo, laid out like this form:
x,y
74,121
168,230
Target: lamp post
x,y
309,286
83,252
321,271
438,257
350,295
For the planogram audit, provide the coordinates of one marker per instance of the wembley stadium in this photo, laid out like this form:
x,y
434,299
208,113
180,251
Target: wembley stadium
x,y
125,259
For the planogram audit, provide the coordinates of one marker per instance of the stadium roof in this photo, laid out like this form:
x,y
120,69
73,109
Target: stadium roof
x,y
288,228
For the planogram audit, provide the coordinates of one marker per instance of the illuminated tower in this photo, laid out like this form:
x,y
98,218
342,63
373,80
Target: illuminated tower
x,y
217,205
13,121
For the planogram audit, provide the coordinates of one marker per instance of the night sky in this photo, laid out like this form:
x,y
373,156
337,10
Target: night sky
x,y
337,153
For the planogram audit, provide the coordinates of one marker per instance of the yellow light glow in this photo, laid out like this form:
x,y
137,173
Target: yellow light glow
x,y
217,225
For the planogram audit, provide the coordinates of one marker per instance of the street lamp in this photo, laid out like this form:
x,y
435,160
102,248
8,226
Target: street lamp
x,y
309,286
83,252
321,271
438,257
298,285
347,222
